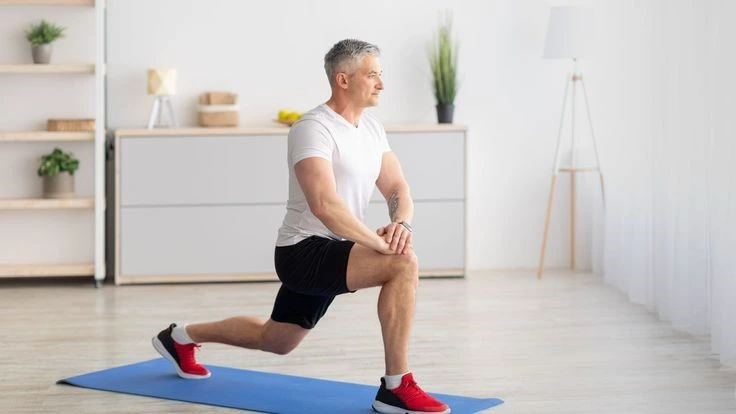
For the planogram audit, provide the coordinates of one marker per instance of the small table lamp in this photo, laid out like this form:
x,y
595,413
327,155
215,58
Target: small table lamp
x,y
162,84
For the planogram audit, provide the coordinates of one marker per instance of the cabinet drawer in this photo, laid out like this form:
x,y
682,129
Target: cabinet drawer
x,y
198,239
203,170
433,164
439,232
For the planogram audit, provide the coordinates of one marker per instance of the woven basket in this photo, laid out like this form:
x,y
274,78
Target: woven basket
x,y
218,109
70,125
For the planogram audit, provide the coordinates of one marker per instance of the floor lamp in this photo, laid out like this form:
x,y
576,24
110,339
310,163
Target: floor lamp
x,y
568,39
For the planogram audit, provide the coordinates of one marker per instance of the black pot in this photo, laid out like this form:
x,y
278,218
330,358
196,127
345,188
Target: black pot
x,y
444,113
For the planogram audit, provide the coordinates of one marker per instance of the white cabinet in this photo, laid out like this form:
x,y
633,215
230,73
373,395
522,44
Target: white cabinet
x,y
206,204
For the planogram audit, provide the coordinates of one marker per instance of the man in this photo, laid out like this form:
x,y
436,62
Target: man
x,y
337,154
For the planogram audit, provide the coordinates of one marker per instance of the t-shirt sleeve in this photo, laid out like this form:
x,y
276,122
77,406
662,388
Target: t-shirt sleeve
x,y
383,141
309,139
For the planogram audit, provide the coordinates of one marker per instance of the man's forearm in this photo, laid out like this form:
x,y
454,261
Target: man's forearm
x,y
336,216
400,206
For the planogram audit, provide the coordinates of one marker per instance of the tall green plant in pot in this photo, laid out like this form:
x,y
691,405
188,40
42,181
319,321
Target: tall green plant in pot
x,y
57,170
42,35
443,62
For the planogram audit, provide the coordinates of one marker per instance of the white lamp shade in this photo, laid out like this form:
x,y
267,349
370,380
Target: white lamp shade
x,y
161,81
568,33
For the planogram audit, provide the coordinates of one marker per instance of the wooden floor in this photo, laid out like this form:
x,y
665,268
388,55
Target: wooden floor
x,y
565,344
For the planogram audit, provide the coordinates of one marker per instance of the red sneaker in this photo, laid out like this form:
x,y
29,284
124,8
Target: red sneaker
x,y
182,356
407,398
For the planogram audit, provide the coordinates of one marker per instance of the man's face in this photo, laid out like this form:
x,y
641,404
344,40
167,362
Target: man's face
x,y
365,82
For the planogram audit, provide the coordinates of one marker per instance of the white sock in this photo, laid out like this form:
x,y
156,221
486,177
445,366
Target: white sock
x,y
393,381
180,335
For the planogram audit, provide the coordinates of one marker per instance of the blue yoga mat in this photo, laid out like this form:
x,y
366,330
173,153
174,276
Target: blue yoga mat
x,y
251,390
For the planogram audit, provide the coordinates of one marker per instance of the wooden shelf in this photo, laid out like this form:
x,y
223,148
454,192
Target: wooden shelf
x,y
14,136
88,3
46,270
50,68
46,203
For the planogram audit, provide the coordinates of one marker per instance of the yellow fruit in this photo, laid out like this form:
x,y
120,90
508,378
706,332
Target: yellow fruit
x,y
289,116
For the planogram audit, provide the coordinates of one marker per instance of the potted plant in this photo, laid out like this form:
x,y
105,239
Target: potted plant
x,y
57,170
443,62
41,35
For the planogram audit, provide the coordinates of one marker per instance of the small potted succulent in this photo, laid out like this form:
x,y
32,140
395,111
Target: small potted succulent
x,y
41,35
57,170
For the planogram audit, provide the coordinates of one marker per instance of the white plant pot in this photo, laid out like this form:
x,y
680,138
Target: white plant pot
x,y
59,186
41,53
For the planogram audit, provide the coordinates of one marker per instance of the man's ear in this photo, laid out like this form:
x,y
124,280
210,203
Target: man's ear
x,y
342,80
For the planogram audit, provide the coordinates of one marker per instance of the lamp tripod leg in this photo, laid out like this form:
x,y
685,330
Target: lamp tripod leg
x,y
155,113
573,196
172,115
555,170
547,219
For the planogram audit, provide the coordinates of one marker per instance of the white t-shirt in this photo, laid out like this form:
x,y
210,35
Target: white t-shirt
x,y
355,153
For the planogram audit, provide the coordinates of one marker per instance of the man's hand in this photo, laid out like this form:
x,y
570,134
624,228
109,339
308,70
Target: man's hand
x,y
383,247
398,237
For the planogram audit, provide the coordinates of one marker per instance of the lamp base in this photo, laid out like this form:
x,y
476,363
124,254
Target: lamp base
x,y
160,105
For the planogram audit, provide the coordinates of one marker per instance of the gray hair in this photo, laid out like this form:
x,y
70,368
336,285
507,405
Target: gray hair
x,y
345,54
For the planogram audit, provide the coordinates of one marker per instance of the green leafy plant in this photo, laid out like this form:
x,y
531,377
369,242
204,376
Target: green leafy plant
x,y
443,61
57,162
44,32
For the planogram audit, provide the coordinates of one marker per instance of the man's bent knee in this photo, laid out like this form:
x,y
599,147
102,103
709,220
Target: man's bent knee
x,y
405,266
281,338
368,268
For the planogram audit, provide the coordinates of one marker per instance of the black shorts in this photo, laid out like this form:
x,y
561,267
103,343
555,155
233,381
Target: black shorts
x,y
312,273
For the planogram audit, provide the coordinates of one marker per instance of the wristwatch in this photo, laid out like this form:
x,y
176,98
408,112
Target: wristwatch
x,y
406,226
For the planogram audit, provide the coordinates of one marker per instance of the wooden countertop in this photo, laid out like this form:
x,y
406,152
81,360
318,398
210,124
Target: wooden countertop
x,y
275,130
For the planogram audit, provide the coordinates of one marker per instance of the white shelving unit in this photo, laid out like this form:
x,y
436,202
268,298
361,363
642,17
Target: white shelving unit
x,y
31,206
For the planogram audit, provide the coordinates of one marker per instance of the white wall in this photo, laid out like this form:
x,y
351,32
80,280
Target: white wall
x,y
271,54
